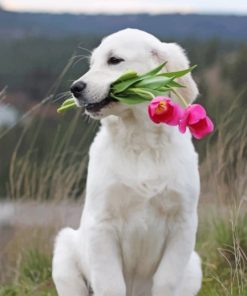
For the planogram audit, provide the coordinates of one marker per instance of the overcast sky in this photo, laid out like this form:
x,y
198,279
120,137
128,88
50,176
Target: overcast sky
x,y
130,6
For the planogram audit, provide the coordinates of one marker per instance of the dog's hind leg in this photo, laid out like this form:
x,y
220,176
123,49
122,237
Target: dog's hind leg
x,y
192,281
66,273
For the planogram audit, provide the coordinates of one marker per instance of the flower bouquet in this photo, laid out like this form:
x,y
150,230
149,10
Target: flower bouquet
x,y
154,87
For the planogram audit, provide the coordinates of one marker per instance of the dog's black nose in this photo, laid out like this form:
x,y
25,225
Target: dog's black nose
x,y
77,88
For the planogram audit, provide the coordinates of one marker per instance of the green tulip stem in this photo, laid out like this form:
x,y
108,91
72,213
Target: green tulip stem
x,y
144,92
181,98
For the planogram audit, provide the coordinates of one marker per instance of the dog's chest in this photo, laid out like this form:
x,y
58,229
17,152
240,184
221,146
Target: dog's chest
x,y
142,225
151,204
143,229
146,162
148,172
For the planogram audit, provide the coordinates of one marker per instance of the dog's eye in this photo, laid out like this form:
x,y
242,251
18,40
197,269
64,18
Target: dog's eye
x,y
114,61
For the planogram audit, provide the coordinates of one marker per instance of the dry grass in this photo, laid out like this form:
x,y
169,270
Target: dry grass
x,y
60,173
222,239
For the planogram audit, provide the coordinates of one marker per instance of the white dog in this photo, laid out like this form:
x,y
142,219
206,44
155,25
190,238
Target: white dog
x,y
138,227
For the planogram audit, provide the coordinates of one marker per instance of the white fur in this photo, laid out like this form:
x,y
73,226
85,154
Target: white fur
x,y
138,227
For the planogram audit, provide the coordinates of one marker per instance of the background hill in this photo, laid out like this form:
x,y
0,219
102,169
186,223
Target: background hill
x,y
17,25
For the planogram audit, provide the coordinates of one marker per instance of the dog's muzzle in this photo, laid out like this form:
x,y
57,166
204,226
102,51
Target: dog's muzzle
x,y
78,88
96,107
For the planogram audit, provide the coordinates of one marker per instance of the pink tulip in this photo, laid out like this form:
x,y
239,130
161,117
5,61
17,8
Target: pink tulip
x,y
196,119
163,110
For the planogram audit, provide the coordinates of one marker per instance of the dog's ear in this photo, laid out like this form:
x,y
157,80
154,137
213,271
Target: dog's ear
x,y
177,60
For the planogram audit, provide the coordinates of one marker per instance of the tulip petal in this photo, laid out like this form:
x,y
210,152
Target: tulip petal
x,y
162,109
196,113
183,122
196,119
202,128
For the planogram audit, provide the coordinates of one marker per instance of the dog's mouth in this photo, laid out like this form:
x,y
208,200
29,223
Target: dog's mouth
x,y
96,107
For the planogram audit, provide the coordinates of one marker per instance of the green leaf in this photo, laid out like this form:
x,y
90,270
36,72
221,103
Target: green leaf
x,y
158,92
178,73
119,85
175,84
68,102
144,93
165,89
66,107
122,86
147,93
155,70
154,82
129,100
126,76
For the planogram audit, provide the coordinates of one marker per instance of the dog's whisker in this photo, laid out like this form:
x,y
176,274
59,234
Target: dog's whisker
x,y
62,96
86,118
79,60
63,93
80,56
83,48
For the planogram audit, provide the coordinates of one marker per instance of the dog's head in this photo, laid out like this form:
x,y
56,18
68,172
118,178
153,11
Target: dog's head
x,y
128,49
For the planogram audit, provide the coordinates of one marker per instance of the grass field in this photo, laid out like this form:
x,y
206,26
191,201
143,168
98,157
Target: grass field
x,y
222,244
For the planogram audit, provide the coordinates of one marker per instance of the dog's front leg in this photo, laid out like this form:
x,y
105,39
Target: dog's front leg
x,y
176,255
105,263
